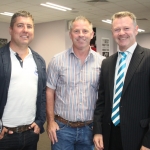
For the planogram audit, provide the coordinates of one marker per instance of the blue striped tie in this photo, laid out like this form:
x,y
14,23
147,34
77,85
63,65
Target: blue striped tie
x,y
115,117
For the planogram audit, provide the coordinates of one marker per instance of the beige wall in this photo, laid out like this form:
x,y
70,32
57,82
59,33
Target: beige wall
x,y
50,38
4,31
144,40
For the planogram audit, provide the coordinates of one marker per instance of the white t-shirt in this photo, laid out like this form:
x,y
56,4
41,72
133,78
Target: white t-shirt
x,y
20,108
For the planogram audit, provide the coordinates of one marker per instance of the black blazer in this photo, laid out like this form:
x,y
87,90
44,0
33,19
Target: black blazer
x,y
5,73
134,104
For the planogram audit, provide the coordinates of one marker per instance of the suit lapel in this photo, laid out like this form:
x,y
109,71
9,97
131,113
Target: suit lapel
x,y
112,66
134,63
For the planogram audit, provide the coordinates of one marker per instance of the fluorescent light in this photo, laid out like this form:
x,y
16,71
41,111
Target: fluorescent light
x,y
141,30
59,6
54,6
7,14
109,21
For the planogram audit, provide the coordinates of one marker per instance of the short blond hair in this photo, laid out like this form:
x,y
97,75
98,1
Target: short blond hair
x,y
80,18
18,14
124,14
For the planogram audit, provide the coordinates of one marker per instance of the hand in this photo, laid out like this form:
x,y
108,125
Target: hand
x,y
52,127
35,127
144,148
5,130
98,141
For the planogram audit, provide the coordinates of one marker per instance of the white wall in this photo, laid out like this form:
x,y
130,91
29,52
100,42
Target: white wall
x,y
68,40
50,39
144,40
4,31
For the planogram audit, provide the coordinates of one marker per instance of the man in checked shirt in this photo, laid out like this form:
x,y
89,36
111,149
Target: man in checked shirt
x,y
72,81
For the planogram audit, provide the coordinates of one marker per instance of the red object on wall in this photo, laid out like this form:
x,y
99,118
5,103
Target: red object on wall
x,y
93,48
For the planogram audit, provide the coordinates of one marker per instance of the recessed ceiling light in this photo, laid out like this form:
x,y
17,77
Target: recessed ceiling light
x,y
7,14
109,21
59,6
55,6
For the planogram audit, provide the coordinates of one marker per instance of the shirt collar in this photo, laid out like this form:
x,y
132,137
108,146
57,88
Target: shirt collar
x,y
71,51
13,52
131,48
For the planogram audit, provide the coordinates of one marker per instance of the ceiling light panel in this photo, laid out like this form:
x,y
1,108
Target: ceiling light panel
x,y
59,6
7,14
55,6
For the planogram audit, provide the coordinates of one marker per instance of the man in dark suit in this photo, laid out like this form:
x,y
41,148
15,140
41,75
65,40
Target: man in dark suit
x,y
122,113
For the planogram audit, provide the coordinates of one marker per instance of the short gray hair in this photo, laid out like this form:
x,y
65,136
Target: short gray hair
x,y
79,18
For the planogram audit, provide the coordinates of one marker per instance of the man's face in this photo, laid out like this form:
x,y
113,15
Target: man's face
x,y
81,34
124,32
22,31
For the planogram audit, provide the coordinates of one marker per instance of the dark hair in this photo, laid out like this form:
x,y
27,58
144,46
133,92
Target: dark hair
x,y
18,14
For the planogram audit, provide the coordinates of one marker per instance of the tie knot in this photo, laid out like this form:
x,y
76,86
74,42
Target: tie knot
x,y
123,54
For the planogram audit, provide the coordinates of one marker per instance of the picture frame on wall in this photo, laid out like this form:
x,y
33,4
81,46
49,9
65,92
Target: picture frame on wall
x,y
3,42
105,46
106,54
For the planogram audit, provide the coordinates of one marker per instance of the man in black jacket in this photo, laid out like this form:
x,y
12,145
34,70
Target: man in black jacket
x,y
22,87
122,114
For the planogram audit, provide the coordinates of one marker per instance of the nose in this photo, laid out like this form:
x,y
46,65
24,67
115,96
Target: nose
x,y
80,33
25,28
121,32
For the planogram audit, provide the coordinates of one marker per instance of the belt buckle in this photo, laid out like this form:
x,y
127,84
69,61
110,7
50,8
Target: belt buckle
x,y
80,124
17,130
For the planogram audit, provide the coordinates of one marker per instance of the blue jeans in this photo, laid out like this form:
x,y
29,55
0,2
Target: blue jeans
x,y
74,138
20,141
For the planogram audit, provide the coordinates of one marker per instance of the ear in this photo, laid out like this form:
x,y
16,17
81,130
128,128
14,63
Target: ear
x,y
136,29
92,34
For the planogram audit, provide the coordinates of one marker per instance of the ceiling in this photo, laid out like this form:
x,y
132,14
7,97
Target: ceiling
x,y
94,10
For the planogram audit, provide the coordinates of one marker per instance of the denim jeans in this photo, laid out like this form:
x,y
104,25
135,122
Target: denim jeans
x,y
74,138
20,141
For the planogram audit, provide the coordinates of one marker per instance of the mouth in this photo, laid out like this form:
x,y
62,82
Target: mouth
x,y
80,40
24,37
122,39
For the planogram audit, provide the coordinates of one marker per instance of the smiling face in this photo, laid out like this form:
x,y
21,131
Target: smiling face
x,y
81,34
124,32
22,31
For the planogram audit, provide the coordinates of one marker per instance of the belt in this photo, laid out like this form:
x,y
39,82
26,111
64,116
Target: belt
x,y
77,124
19,129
